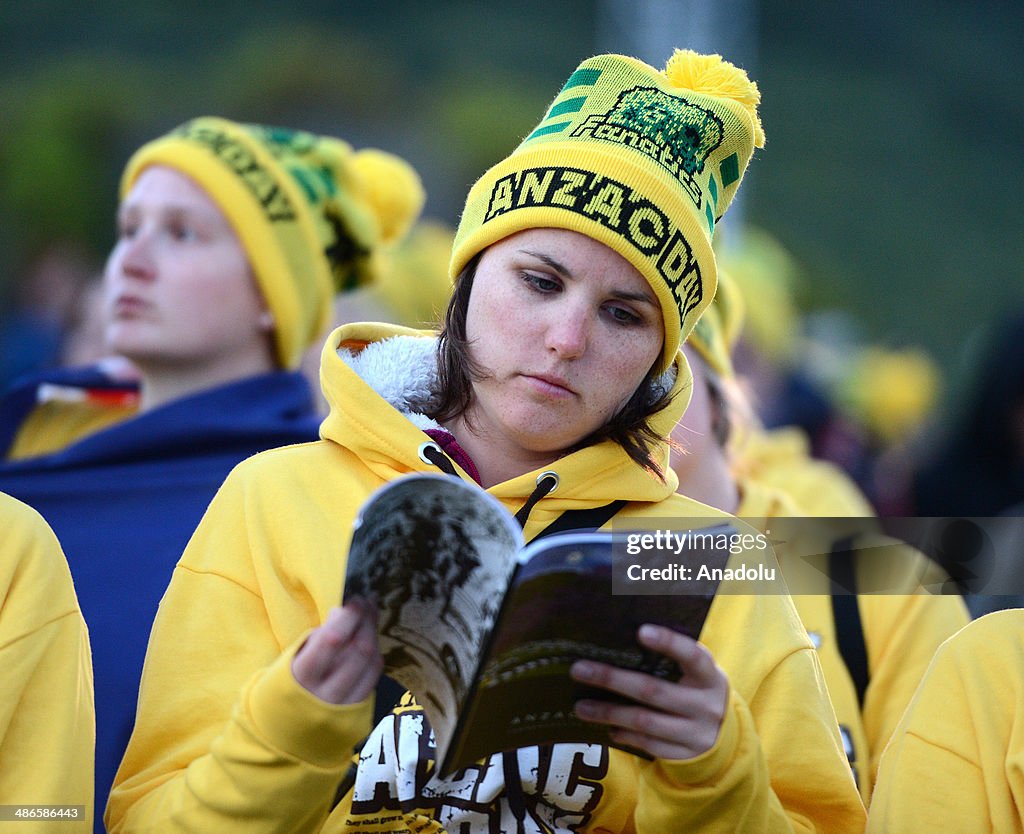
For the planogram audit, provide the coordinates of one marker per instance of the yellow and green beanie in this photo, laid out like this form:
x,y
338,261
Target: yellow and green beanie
x,y
311,213
645,162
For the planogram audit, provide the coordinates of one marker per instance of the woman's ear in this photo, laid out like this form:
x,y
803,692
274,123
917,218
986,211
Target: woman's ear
x,y
266,321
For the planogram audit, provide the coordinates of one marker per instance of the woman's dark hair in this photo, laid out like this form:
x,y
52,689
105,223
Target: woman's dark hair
x,y
457,371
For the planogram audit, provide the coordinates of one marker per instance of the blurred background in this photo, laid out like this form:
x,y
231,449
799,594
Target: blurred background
x,y
882,222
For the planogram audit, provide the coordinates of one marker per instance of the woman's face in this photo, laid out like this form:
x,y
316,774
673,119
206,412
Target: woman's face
x,y
178,287
565,330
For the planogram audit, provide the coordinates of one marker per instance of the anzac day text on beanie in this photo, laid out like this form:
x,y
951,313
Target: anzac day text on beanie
x,y
311,213
645,162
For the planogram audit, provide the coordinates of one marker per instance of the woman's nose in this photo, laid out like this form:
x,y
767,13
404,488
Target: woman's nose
x,y
568,333
136,257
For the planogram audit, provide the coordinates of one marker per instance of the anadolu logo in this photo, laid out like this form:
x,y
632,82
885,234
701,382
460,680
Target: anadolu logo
x,y
676,134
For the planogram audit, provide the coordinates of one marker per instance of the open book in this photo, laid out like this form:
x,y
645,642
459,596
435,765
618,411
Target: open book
x,y
483,630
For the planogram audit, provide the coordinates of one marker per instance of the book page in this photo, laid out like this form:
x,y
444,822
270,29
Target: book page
x,y
436,554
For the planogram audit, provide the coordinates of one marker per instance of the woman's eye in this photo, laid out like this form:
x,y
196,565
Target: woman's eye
x,y
622,315
183,233
540,282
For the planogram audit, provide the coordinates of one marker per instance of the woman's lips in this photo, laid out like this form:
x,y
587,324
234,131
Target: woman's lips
x,y
550,385
129,306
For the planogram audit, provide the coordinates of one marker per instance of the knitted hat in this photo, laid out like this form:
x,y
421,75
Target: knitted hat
x,y
891,392
642,161
310,212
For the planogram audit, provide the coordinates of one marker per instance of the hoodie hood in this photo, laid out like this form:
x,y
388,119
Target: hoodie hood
x,y
377,379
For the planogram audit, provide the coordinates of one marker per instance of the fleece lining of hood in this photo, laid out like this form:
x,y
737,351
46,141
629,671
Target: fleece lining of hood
x,y
402,370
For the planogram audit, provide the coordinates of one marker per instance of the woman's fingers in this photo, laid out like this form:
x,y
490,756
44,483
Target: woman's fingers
x,y
659,733
340,662
695,661
669,719
699,672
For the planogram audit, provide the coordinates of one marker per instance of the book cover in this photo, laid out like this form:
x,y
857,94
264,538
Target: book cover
x,y
483,630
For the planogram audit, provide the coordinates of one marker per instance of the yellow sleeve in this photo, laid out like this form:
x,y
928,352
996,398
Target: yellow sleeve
x,y
932,789
955,760
224,734
778,764
902,634
47,722
787,775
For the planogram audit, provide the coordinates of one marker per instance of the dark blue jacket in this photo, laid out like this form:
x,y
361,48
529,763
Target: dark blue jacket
x,y
124,502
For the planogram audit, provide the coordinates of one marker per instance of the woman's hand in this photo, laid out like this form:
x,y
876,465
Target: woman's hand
x,y
340,662
672,720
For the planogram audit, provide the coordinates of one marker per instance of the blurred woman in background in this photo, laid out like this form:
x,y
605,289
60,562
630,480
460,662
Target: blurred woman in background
x,y
232,243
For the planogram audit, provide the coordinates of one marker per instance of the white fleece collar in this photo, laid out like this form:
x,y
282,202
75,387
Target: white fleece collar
x,y
402,370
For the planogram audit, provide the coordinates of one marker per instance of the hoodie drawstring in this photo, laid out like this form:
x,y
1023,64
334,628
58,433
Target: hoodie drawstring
x,y
546,483
431,453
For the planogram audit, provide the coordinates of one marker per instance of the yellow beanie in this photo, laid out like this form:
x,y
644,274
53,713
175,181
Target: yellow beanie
x,y
311,213
642,161
891,392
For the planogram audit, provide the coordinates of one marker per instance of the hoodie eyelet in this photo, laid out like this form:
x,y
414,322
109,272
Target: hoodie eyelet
x,y
549,474
422,452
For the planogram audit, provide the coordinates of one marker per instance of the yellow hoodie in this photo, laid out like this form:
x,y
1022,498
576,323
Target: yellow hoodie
x,y
47,722
781,458
901,631
956,760
226,739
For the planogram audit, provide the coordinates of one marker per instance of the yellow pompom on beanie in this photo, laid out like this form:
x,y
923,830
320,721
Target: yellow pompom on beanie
x,y
311,213
891,392
643,161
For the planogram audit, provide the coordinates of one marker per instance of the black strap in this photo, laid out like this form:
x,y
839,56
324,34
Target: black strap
x,y
592,519
842,568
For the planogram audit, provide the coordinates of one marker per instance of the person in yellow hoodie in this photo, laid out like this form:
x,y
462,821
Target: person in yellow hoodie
x,y
874,647
581,262
955,760
47,723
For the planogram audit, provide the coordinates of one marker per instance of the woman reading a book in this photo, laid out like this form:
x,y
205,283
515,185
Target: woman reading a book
x,y
581,263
